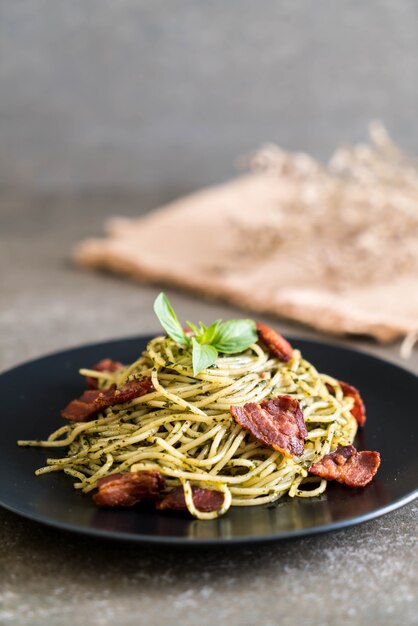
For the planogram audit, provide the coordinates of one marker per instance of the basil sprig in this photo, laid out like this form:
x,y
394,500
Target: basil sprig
x,y
206,342
203,356
169,320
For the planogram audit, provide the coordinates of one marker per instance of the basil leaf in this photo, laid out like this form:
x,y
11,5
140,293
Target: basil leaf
x,y
234,336
168,319
192,327
203,356
199,331
209,333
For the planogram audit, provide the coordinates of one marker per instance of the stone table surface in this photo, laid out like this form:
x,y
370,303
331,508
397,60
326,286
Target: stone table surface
x,y
363,575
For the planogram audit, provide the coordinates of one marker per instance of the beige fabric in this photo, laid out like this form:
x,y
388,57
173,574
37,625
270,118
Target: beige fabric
x,y
334,248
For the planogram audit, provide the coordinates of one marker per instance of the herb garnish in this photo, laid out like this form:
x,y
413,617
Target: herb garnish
x,y
206,342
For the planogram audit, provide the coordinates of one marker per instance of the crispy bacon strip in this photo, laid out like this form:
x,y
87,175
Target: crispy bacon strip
x,y
277,345
358,410
277,423
347,466
205,500
128,489
94,401
105,365
88,405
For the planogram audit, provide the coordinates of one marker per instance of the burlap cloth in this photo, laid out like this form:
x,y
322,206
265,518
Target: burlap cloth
x,y
333,247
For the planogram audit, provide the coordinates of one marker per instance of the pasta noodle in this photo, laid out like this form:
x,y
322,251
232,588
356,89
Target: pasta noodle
x,y
184,428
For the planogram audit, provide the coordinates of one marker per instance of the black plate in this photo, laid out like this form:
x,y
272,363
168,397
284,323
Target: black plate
x,y
33,394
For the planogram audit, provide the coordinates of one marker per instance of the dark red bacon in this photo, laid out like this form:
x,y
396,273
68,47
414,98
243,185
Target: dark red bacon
x,y
205,500
105,365
347,466
277,345
129,489
277,423
359,410
93,401
88,405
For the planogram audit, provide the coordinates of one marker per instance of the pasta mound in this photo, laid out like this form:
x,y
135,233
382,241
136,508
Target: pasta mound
x,y
184,428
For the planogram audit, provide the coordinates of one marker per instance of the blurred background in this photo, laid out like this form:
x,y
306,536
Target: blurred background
x,y
162,96
116,107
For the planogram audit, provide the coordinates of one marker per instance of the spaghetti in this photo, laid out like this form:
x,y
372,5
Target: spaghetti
x,y
183,428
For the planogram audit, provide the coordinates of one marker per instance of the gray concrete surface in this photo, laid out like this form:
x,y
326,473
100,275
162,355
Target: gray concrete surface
x,y
363,575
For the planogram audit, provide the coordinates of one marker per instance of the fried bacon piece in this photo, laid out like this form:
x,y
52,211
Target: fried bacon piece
x,y
129,489
277,423
277,345
347,466
359,410
105,365
205,500
93,401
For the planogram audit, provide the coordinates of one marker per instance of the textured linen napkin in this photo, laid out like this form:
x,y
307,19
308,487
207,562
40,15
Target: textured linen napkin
x,y
333,247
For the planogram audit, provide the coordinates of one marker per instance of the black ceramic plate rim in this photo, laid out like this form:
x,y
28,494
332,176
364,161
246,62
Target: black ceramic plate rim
x,y
243,539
